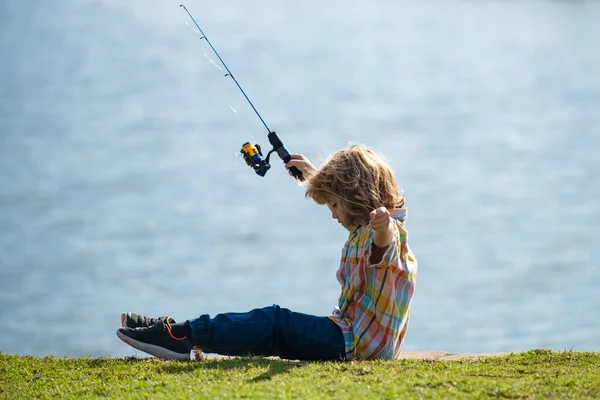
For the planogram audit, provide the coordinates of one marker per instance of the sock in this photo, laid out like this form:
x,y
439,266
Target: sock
x,y
181,329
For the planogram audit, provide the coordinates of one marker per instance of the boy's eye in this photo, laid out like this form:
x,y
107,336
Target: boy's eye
x,y
334,205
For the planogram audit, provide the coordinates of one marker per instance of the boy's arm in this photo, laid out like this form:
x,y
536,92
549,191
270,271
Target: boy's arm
x,y
381,223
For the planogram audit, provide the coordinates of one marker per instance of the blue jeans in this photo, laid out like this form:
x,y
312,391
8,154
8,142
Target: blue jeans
x,y
269,331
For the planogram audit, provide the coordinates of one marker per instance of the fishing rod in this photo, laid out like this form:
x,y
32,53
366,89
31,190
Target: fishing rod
x,y
252,153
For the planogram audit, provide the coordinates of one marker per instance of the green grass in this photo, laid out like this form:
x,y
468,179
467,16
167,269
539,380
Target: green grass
x,y
540,374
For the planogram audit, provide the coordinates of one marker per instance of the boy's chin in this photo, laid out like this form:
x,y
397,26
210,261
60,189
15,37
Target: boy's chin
x,y
346,227
350,228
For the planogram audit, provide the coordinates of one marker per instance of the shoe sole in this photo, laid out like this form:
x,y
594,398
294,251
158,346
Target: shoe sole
x,y
154,350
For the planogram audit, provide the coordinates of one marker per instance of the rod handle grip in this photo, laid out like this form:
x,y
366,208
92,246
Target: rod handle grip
x,y
284,154
297,174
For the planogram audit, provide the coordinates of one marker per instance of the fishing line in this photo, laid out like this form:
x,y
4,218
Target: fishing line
x,y
252,153
229,73
361,204
231,102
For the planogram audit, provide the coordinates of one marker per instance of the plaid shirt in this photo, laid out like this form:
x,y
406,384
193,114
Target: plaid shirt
x,y
374,306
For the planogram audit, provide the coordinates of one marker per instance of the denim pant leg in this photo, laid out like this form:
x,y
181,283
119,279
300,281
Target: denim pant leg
x,y
269,331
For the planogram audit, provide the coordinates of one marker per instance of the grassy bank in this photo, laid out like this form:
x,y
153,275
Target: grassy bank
x,y
533,374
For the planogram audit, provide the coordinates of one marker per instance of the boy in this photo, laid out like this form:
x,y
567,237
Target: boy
x,y
377,273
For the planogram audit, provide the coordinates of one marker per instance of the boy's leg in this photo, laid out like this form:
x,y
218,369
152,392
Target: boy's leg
x,y
269,331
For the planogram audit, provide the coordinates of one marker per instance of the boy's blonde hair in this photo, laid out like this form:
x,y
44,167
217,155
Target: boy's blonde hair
x,y
361,179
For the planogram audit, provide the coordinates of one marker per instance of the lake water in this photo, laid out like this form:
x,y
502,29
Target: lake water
x,y
120,189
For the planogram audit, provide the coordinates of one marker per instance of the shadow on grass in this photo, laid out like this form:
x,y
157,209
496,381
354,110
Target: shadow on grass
x,y
244,364
100,362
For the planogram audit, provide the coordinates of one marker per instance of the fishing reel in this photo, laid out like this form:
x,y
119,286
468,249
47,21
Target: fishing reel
x,y
254,157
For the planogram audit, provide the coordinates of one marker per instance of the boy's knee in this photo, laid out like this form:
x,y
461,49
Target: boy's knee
x,y
280,316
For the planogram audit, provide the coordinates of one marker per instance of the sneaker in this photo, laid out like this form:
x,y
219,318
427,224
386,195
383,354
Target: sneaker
x,y
158,341
133,320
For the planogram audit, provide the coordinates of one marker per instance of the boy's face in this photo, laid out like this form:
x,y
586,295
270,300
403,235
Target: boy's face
x,y
337,212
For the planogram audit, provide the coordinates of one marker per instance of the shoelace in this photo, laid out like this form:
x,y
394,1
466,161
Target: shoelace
x,y
143,321
152,326
150,321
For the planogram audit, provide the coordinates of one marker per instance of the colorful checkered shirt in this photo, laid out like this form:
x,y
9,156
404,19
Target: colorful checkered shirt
x,y
374,306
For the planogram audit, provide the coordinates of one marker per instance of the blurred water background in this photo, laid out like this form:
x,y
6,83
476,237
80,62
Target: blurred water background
x,y
120,189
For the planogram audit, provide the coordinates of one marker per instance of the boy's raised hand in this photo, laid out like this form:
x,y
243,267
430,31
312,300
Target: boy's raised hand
x,y
380,219
303,164
384,234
